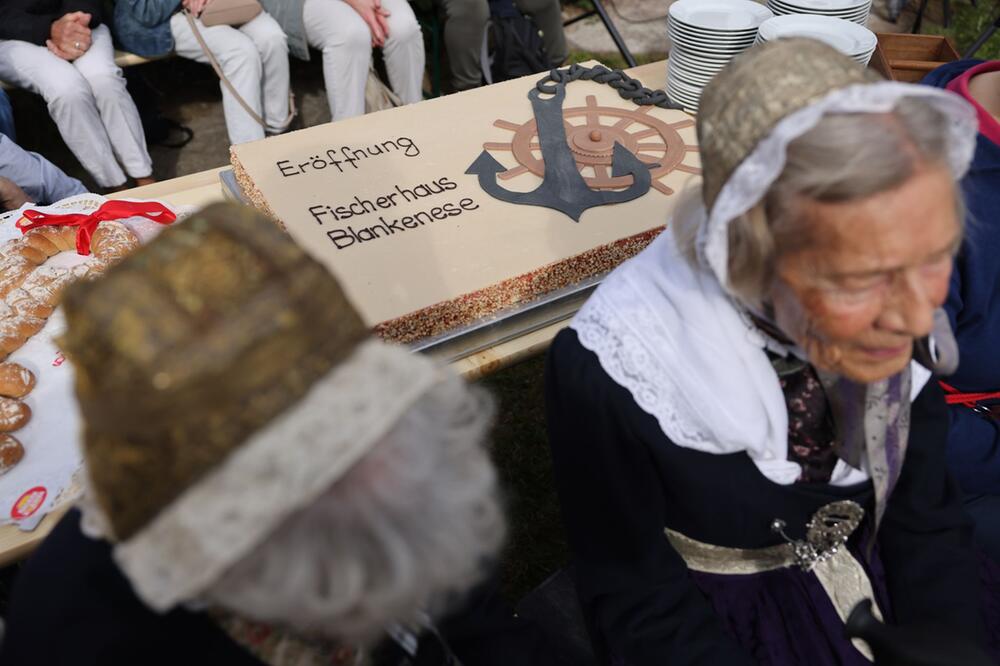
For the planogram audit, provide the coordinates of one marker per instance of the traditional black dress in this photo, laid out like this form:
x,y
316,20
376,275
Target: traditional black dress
x,y
622,482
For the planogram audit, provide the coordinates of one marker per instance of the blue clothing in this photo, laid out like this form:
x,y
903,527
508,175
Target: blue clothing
x,y
41,180
6,117
974,308
143,26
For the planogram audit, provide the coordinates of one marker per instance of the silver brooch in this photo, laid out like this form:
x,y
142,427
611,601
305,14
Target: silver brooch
x,y
826,533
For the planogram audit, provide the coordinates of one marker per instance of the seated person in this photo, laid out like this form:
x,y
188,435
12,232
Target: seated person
x,y
60,50
974,305
742,446
253,56
346,31
265,484
6,117
28,177
465,30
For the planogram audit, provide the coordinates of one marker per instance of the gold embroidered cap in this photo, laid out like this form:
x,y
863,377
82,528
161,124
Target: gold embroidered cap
x,y
191,345
744,102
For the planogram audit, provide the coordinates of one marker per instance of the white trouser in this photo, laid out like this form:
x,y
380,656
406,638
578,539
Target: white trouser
x,y
89,103
254,57
346,42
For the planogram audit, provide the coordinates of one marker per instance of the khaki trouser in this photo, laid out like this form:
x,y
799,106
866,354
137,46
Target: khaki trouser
x,y
465,30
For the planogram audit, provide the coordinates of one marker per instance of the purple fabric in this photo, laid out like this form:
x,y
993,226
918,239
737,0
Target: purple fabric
x,y
893,447
989,572
785,617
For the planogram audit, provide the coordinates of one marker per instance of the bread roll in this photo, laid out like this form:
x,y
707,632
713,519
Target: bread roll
x,y
13,270
16,381
112,242
61,239
20,247
11,453
14,414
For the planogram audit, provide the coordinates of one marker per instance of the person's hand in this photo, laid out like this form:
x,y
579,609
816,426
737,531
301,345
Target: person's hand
x,y
70,36
374,15
196,7
12,197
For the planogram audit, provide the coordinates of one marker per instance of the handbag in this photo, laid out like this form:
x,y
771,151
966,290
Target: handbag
x,y
379,96
230,12
231,8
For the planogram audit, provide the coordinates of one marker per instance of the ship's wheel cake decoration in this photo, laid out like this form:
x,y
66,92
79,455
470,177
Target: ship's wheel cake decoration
x,y
589,155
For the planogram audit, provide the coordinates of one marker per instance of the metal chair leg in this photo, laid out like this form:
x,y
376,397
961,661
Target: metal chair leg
x,y
610,26
982,39
613,31
920,17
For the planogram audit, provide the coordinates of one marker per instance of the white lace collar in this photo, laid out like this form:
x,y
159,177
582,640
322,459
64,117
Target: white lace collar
x,y
690,359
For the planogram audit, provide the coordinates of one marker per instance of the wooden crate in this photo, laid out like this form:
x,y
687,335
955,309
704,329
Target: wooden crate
x,y
905,57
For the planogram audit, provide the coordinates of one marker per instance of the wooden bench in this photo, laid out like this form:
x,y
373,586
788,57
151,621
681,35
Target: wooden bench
x,y
122,59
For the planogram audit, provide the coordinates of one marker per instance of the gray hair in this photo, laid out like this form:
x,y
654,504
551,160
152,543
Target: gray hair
x,y
846,156
412,525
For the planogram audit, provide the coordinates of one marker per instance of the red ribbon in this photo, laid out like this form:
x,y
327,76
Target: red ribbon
x,y
955,397
86,223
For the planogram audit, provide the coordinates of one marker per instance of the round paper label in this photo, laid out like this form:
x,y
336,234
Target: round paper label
x,y
28,503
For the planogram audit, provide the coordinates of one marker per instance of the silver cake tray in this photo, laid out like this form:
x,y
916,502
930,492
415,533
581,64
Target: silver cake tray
x,y
476,336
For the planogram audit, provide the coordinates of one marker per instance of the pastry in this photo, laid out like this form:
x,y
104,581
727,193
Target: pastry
x,y
16,381
14,414
112,242
20,247
29,292
52,240
11,453
13,269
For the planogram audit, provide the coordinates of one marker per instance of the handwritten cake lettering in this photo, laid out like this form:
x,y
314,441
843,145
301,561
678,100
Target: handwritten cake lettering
x,y
422,243
344,158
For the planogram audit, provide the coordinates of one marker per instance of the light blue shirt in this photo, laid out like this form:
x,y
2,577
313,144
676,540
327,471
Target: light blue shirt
x,y
41,180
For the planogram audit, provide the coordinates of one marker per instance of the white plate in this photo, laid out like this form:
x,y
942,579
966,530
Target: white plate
x,y
682,97
787,4
708,32
689,89
827,5
687,70
695,70
709,45
687,78
687,61
677,33
780,10
720,15
845,36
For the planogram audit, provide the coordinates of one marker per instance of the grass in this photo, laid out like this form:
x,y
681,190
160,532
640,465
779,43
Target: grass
x,y
967,23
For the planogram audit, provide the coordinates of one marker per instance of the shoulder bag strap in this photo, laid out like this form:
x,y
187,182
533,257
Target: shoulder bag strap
x,y
292,112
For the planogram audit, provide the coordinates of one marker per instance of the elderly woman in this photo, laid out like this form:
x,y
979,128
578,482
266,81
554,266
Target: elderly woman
x,y
736,450
266,485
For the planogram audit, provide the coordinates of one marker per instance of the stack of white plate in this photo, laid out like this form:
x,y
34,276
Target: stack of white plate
x,y
705,35
847,37
851,10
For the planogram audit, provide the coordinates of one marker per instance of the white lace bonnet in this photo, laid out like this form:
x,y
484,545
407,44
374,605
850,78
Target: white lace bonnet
x,y
225,382
775,93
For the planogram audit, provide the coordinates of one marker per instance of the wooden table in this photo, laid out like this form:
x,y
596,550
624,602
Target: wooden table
x,y
203,188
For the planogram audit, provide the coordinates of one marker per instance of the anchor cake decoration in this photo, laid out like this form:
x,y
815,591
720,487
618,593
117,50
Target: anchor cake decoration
x,y
588,164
